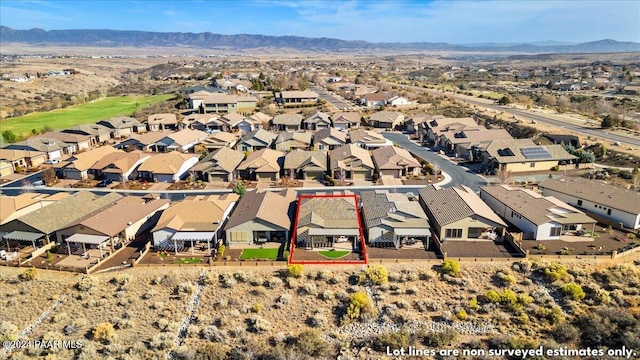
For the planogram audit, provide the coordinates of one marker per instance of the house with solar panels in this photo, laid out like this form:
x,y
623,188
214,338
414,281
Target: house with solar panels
x,y
523,155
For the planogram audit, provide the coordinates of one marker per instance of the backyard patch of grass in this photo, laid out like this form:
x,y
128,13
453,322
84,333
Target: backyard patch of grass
x,y
193,260
248,254
334,254
81,114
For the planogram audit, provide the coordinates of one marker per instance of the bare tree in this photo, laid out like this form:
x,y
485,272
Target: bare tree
x,y
504,176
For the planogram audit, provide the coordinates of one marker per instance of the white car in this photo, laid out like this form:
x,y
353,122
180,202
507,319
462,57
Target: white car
x,y
52,162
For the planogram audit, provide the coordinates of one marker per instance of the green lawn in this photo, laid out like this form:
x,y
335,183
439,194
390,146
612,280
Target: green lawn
x,y
193,260
248,254
334,254
81,114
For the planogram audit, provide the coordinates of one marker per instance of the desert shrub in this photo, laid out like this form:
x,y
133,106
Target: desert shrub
x,y
161,341
360,305
508,297
309,342
85,283
121,323
308,289
168,280
492,296
213,333
505,279
258,324
162,324
574,291
317,319
392,340
408,275
8,331
210,351
376,274
461,315
241,276
88,352
295,270
412,290
210,278
426,275
524,299
336,279
121,279
473,304
610,327
274,282
104,332
256,308
256,281
565,333
601,296
29,274
259,291
324,275
450,267
149,294
227,280
327,295
553,315
555,272
440,339
283,299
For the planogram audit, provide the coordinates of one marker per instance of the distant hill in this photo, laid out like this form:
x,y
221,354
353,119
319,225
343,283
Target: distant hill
x,y
207,40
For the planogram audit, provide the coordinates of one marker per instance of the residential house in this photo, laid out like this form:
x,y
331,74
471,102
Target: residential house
x,y
520,155
39,226
471,141
219,165
297,97
183,140
350,162
419,122
77,166
396,101
13,207
262,165
286,122
344,120
219,140
123,126
261,217
116,223
167,167
538,217
386,119
75,142
119,166
191,221
233,84
203,122
610,204
328,139
436,126
261,119
305,165
458,213
317,121
393,220
368,139
52,147
98,134
328,222
570,140
237,122
256,140
157,122
223,103
395,162
6,167
377,99
291,140
144,142
21,159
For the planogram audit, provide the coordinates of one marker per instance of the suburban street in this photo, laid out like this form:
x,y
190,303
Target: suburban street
x,y
336,101
459,174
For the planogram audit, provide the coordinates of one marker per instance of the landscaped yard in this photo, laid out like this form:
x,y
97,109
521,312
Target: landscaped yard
x,y
248,254
193,260
81,114
334,254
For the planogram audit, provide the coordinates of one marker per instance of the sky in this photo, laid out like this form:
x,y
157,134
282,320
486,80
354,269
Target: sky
x,y
456,22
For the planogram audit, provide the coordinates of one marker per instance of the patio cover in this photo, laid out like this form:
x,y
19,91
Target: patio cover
x,y
323,231
23,236
193,236
412,232
87,239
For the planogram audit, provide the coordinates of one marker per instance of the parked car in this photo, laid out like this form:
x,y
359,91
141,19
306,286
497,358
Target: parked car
x,y
105,183
52,161
3,254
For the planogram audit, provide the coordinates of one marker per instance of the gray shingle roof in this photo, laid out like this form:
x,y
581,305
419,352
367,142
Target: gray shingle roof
x,y
287,119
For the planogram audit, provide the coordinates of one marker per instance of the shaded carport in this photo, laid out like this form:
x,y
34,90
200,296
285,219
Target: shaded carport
x,y
335,233
23,236
86,239
191,236
412,232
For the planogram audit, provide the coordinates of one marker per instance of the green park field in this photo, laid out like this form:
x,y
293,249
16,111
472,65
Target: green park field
x,y
80,114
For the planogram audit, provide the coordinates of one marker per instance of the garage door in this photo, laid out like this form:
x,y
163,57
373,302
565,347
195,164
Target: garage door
x,y
217,177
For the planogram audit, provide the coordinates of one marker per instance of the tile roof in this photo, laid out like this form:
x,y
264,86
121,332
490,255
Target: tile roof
x,y
386,116
120,122
265,160
196,215
272,207
534,207
307,94
317,117
232,119
187,136
392,157
39,143
303,137
452,204
261,117
346,117
165,119
68,138
596,192
259,137
365,136
287,119
224,159
299,159
10,204
150,138
393,210
85,160
120,161
11,155
167,163
443,124
69,209
475,135
339,212
509,151
323,134
90,129
353,154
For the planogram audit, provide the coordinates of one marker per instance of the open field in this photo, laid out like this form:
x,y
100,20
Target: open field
x,y
260,310
81,114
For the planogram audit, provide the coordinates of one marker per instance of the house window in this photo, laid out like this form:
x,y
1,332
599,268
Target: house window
x,y
609,212
556,231
512,213
532,164
453,233
579,202
321,147
244,148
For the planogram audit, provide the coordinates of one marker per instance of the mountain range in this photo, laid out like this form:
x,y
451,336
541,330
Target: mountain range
x,y
208,40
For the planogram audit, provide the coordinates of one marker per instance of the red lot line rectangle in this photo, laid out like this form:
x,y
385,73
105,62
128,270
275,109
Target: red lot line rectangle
x,y
292,245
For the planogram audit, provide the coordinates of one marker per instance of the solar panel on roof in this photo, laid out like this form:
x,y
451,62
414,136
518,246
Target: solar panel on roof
x,y
536,152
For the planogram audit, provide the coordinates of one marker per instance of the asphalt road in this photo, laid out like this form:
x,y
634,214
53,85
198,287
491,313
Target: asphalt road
x,y
459,174
336,101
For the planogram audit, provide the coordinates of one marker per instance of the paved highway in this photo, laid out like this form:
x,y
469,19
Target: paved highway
x,y
459,174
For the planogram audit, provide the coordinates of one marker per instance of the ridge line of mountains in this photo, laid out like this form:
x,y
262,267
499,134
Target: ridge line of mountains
x,y
208,40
